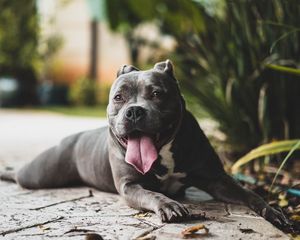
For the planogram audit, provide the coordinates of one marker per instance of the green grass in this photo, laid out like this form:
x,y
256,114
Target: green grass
x,y
95,111
83,111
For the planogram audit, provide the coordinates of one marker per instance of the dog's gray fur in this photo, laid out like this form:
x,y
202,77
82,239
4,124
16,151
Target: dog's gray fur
x,y
186,158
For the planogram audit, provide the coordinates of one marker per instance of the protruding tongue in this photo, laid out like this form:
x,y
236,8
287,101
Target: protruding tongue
x,y
141,153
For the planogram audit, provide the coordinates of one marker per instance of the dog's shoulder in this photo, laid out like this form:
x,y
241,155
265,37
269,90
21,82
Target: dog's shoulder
x,y
193,151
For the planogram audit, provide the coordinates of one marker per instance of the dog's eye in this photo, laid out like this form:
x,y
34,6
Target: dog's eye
x,y
118,98
156,94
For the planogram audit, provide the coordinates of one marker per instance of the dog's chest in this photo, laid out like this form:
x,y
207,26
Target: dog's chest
x,y
170,181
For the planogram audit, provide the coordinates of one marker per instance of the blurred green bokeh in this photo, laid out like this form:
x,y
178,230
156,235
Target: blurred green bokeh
x,y
237,61
19,57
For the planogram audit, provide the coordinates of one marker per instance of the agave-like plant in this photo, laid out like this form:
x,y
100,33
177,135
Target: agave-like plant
x,y
243,71
265,150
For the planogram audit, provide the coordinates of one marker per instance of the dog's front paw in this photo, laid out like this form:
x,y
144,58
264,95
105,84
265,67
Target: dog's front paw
x,y
275,217
172,211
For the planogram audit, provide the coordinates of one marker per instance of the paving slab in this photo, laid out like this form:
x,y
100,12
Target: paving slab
x,y
73,213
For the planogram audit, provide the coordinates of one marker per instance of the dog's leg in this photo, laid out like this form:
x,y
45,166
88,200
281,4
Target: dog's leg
x,y
53,168
225,188
138,197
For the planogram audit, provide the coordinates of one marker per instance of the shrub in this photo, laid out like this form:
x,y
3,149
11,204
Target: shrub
x,y
84,92
19,58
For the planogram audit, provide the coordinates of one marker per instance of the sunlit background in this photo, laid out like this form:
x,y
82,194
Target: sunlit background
x,y
237,61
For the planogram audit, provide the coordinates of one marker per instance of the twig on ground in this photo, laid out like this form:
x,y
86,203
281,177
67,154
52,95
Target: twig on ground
x,y
29,226
64,201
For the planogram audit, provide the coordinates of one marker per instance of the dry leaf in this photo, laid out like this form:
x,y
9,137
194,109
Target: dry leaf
x,y
282,200
283,203
294,238
297,210
191,231
43,228
147,237
295,218
143,215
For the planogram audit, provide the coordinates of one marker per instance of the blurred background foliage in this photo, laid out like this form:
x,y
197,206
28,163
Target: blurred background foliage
x,y
237,61
84,92
19,56
227,56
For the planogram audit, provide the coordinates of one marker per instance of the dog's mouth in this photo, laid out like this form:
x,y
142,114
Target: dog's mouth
x,y
156,138
141,149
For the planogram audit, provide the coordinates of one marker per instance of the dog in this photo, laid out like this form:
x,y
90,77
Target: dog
x,y
152,150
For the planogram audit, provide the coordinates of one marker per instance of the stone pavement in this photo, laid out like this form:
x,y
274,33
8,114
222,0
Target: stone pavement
x,y
75,212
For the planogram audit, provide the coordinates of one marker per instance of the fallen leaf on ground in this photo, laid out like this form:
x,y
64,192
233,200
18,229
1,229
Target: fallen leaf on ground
x,y
191,232
42,227
143,214
147,237
294,237
295,218
283,202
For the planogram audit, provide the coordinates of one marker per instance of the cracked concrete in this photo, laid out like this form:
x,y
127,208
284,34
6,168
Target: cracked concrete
x,y
75,212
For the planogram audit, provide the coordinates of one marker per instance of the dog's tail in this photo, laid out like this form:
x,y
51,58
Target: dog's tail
x,y
8,176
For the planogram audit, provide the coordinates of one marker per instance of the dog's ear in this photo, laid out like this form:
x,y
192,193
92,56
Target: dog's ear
x,y
166,67
126,69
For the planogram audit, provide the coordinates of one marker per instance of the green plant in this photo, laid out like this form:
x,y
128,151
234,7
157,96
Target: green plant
x,y
84,92
229,71
292,150
266,150
104,93
19,58
82,111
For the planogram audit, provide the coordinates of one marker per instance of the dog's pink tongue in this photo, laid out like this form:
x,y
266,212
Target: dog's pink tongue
x,y
141,153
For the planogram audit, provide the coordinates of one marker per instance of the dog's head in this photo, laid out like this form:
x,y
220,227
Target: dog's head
x,y
144,112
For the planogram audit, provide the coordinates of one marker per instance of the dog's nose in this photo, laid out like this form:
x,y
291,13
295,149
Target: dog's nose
x,y
135,113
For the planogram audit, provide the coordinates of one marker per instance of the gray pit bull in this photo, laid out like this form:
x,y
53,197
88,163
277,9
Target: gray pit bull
x,y
152,150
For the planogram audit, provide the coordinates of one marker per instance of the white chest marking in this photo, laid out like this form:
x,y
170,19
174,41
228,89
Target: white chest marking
x,y
170,181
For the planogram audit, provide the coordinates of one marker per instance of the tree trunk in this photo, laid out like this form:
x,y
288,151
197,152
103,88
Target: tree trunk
x,y
93,50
